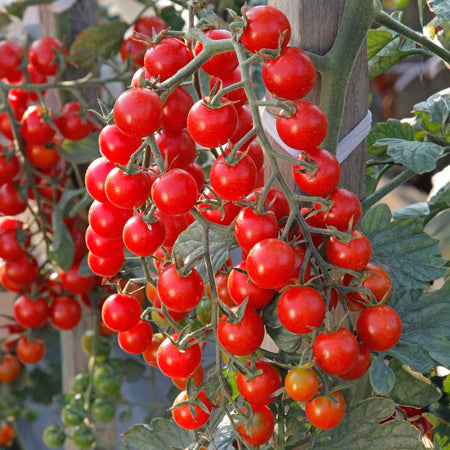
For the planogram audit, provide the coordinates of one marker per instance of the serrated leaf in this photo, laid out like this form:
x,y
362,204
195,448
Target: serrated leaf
x,y
189,245
412,388
420,157
62,248
391,129
382,377
411,257
96,44
80,152
377,40
161,434
425,339
360,429
442,10
172,17
132,369
419,209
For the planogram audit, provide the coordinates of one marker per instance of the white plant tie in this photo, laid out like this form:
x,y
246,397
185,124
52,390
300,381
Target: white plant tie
x,y
345,146
59,6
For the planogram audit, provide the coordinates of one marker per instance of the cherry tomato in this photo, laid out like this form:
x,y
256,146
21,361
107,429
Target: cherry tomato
x,y
71,124
143,239
76,283
116,146
121,312
301,384
176,109
107,220
34,129
9,167
177,363
42,55
11,54
148,25
183,415
30,352
275,201
44,156
379,327
336,352
211,127
106,266
7,435
271,263
325,413
197,376
9,368
291,76
208,211
258,390
11,201
176,147
31,313
137,112
262,425
23,271
65,313
238,95
306,129
265,26
54,436
10,248
300,308
150,353
101,246
136,339
360,367
241,338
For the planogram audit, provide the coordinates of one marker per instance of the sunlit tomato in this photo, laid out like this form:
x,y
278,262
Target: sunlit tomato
x,y
233,182
374,278
137,112
264,29
183,415
379,327
360,367
121,312
31,313
7,435
175,192
176,147
132,48
136,339
180,292
9,166
262,425
9,368
271,263
34,129
143,239
176,363
116,146
211,127
221,63
336,352
23,271
275,201
290,76
107,220
106,266
306,129
176,109
101,246
95,178
354,255
166,58
76,283
174,226
127,191
325,413
301,384
42,55
44,156
11,200
346,209
197,376
148,25
300,308
11,54
241,287
65,313
30,351
214,213
197,172
238,95
7,283
321,180
251,227
71,124
150,353
241,338
259,390
10,247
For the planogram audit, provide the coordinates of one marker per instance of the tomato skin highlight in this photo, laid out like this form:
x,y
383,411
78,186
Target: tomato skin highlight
x,y
301,384
325,413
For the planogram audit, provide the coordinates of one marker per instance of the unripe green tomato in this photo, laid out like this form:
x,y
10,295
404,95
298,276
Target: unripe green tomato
x,y
203,311
107,379
54,436
95,361
92,344
83,437
30,414
80,383
103,410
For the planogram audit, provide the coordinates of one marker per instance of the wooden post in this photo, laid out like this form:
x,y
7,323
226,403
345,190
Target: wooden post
x,y
314,25
66,26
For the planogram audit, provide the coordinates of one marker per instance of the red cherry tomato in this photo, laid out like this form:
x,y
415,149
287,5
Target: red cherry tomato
x,y
261,426
325,413
42,55
136,339
183,415
30,352
31,313
301,384
116,146
121,312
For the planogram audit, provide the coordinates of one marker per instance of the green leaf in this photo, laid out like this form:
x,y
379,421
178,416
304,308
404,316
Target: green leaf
x,y
382,377
286,340
96,44
390,55
441,433
190,247
172,17
80,152
412,388
437,107
360,429
425,339
442,10
161,434
62,247
377,40
391,129
417,156
132,369
411,257
419,209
